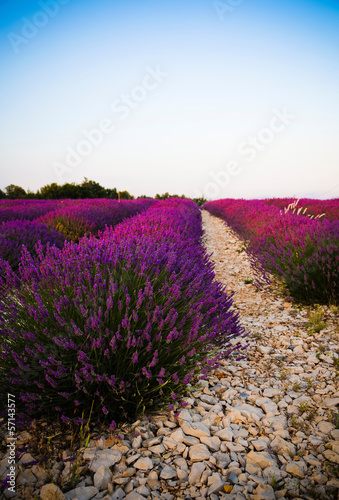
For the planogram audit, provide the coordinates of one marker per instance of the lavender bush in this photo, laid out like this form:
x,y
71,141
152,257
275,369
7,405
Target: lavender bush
x,y
83,217
302,253
16,233
127,319
26,209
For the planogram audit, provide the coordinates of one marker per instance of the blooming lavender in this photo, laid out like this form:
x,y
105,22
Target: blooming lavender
x,y
129,319
302,253
16,233
82,217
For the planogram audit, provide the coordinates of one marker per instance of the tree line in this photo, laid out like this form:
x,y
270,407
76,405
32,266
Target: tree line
x,y
87,189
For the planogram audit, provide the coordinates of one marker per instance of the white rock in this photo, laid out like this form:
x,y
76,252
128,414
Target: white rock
x,y
118,494
330,402
136,443
107,458
168,473
264,349
169,443
270,393
209,399
158,449
225,434
312,359
196,429
266,404
144,463
102,478
215,483
181,463
236,417
294,469
331,456
280,446
260,459
196,472
273,473
199,452
253,469
82,493
134,495
263,492
51,492
259,444
325,427
143,490
178,436
298,350
213,443
184,416
250,411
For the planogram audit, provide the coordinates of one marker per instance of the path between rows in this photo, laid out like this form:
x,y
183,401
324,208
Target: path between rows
x,y
256,429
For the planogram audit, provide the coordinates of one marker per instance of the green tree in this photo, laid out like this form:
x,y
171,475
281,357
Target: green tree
x,y
50,191
112,193
91,189
70,190
124,195
14,192
2,194
199,201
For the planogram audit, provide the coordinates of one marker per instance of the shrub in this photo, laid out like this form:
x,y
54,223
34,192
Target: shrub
x,y
15,234
83,217
127,319
26,209
302,253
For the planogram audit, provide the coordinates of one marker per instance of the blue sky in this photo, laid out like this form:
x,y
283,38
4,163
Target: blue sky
x,y
238,100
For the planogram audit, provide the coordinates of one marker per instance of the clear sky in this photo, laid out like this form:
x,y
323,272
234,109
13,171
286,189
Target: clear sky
x,y
235,98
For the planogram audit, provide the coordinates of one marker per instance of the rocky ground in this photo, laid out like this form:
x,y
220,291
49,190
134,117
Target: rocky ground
x,y
265,427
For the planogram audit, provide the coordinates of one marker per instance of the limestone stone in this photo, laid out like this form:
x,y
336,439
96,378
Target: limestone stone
x,y
225,434
259,444
199,452
107,458
195,429
82,493
51,492
102,478
263,492
261,459
168,472
212,443
216,484
196,472
331,456
281,446
144,463
295,470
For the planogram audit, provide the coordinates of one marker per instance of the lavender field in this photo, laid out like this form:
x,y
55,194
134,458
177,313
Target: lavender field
x,y
112,310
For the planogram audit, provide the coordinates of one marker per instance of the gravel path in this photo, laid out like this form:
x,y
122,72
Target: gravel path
x,y
257,429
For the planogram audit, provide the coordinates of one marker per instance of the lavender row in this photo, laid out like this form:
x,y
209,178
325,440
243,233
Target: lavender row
x,y
71,221
128,319
302,253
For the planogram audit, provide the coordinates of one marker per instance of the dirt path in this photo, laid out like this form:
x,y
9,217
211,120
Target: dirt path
x,y
288,373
